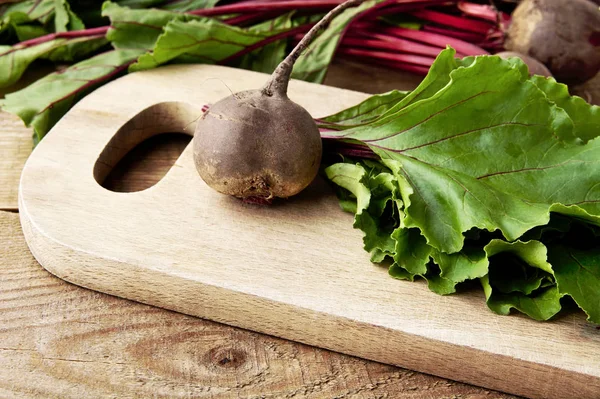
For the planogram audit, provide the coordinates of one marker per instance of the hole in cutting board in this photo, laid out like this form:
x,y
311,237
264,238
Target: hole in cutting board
x,y
144,149
147,163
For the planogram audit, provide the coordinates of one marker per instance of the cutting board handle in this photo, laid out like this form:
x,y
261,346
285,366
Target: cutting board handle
x,y
164,117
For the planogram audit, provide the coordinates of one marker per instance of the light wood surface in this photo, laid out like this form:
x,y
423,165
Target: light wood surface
x,y
58,340
15,147
294,270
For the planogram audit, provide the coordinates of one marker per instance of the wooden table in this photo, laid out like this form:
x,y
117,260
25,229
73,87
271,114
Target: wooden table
x,y
60,340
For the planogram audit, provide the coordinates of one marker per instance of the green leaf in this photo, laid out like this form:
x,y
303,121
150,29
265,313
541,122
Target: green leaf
x,y
556,228
135,4
577,274
541,306
351,177
138,29
372,197
480,151
313,64
585,117
468,264
44,102
36,10
364,112
477,160
437,283
65,19
400,273
29,31
411,250
14,60
25,20
76,49
266,58
445,203
189,5
518,266
207,39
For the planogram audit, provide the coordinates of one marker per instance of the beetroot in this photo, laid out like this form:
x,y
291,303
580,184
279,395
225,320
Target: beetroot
x,y
563,35
258,144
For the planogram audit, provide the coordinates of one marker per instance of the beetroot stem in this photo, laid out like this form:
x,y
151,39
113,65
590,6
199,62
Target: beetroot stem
x,y
278,83
244,7
64,35
384,42
468,37
433,39
482,11
334,145
461,23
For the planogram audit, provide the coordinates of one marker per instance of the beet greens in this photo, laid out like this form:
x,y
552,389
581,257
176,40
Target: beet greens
x,y
403,34
481,173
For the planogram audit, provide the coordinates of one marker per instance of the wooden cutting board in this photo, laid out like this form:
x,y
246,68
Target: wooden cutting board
x,y
295,270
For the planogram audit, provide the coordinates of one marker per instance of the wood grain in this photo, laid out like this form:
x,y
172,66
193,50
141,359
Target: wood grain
x,y
295,270
58,340
15,147
147,163
16,139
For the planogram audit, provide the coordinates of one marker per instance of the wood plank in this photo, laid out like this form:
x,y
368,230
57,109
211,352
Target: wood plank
x,y
60,340
15,147
15,139
296,270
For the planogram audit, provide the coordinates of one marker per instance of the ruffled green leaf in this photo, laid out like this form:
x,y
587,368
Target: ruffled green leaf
x,y
585,117
492,168
577,273
540,306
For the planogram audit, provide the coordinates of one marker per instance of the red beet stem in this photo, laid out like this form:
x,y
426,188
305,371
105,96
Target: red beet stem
x,y
394,7
415,69
251,17
430,38
467,37
384,42
334,145
460,23
481,11
278,5
396,57
101,31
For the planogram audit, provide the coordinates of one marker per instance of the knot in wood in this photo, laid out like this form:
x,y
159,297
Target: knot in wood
x,y
228,358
